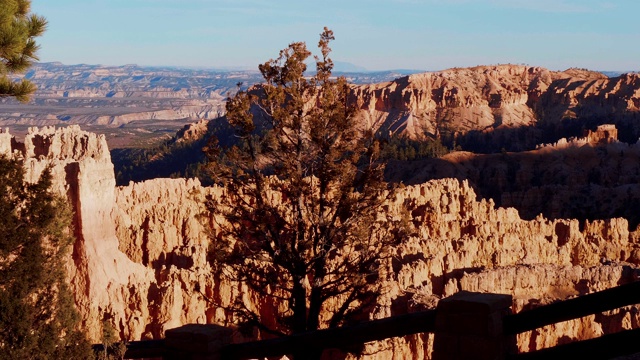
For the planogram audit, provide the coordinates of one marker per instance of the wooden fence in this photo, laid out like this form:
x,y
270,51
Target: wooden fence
x,y
466,326
605,347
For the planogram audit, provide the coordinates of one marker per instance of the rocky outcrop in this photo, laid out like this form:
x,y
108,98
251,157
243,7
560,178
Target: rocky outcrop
x,y
487,108
192,132
460,100
460,244
602,135
161,223
140,256
5,143
100,276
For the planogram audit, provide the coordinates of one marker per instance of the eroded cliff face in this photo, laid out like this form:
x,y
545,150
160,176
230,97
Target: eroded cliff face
x,y
486,108
100,276
460,243
462,99
140,256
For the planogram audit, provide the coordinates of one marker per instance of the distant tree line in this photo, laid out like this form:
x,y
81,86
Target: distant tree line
x,y
398,147
168,160
173,159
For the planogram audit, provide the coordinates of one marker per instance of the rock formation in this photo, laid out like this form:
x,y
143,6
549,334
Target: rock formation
x,y
192,132
462,99
140,256
486,108
5,143
99,274
588,178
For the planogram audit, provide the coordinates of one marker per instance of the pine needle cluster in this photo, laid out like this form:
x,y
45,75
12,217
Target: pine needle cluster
x,y
18,48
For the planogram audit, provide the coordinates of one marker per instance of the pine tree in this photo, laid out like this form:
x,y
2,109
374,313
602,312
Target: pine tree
x,y
18,28
304,226
38,319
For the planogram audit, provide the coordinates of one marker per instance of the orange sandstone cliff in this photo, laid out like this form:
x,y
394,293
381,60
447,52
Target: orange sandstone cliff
x,y
140,256
483,107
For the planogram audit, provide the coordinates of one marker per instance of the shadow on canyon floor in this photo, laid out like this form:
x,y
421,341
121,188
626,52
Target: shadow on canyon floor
x,y
584,182
525,138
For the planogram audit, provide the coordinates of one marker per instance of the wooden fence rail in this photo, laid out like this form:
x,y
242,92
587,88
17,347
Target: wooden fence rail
x,y
590,304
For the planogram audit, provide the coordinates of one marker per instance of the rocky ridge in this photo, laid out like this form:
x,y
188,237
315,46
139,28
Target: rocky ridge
x,y
489,109
140,257
99,274
469,104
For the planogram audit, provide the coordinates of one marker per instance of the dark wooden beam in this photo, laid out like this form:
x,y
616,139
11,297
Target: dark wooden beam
x,y
343,337
590,304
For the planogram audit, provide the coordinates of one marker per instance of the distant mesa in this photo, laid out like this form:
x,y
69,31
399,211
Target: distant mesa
x,y
343,66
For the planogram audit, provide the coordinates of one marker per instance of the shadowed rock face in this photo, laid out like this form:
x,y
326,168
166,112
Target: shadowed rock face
x,y
140,255
588,178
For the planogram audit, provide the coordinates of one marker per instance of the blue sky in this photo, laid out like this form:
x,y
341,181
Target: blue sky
x,y
376,34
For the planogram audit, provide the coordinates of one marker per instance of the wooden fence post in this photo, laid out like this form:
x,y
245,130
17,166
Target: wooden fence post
x,y
196,342
469,326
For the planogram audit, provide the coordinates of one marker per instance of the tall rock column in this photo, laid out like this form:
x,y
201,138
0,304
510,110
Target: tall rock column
x,y
103,279
5,143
